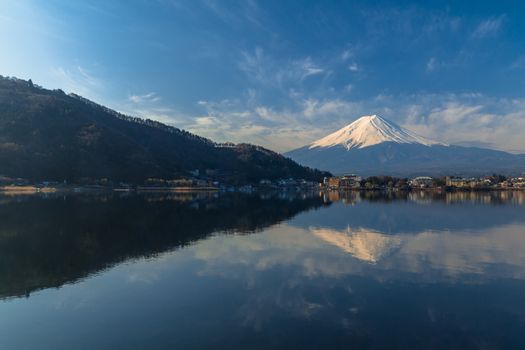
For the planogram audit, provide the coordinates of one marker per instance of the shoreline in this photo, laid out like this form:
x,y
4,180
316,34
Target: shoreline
x,y
35,190
30,190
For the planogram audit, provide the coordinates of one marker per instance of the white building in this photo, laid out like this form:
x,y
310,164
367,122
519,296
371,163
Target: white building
x,y
422,182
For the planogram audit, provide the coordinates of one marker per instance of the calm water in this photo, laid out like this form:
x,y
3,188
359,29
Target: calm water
x,y
367,271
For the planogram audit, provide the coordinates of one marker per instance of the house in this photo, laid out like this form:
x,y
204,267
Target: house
x,y
350,181
518,182
334,182
265,182
422,182
459,182
287,182
343,182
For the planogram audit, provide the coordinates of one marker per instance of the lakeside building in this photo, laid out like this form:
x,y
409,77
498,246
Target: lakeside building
x,y
343,182
350,182
460,182
484,182
518,182
422,182
515,182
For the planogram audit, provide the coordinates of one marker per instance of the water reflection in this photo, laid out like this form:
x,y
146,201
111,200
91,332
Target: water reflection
x,y
46,242
398,212
426,235
364,245
495,253
321,270
422,197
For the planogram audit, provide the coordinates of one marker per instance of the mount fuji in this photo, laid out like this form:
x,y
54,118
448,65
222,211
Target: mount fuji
x,y
372,145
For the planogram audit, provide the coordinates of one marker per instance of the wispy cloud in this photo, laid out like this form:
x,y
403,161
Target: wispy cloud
x,y
166,115
347,54
353,67
307,68
467,118
151,106
431,64
78,80
145,98
280,129
267,70
245,11
488,27
330,109
256,65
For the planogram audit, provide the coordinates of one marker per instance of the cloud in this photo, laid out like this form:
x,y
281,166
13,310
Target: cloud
x,y
281,129
347,54
467,118
78,80
150,106
330,108
239,15
488,27
146,98
353,67
431,64
269,71
163,114
255,64
268,114
81,81
245,121
307,68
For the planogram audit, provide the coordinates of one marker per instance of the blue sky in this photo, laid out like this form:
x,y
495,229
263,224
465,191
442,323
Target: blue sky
x,y
283,73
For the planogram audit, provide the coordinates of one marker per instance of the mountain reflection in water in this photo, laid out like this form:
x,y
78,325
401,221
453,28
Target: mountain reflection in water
x,y
366,270
46,242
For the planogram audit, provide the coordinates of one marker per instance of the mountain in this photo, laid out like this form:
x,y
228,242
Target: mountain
x,y
372,145
48,135
369,131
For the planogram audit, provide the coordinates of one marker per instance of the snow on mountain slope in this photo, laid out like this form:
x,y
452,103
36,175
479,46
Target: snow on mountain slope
x,y
374,146
368,131
365,245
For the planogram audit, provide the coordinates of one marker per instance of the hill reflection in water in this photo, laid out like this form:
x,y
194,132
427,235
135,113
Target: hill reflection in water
x,y
46,242
367,270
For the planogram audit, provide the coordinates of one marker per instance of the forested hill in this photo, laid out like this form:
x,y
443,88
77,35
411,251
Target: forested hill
x,y
48,135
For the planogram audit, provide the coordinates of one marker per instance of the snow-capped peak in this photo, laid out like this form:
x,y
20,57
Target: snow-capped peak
x,y
371,130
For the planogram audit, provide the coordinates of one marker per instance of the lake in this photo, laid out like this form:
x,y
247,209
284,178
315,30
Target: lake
x,y
263,271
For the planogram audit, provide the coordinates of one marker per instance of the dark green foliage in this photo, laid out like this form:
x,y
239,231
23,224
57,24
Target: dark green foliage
x,y
48,135
383,181
439,182
497,178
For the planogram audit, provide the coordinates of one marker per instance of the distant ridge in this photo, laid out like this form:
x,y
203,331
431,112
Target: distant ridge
x,y
372,145
48,135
